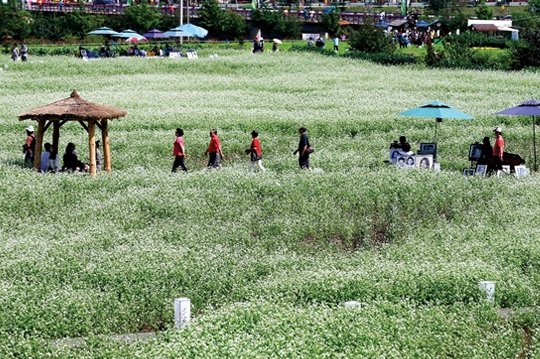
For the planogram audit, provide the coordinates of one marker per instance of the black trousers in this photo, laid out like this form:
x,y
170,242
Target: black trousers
x,y
303,161
179,162
213,160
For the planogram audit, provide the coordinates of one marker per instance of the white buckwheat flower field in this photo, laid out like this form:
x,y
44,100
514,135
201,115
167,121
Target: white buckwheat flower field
x,y
268,259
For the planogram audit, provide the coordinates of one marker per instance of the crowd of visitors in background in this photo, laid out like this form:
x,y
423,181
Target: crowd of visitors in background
x,y
412,37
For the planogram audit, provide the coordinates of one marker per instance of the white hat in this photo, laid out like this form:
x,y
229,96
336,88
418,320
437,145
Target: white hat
x,y
30,128
497,129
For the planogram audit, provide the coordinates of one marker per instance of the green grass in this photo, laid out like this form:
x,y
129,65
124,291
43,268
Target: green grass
x,y
267,259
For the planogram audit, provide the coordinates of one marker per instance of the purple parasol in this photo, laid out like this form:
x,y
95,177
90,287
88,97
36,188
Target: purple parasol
x,y
526,108
156,34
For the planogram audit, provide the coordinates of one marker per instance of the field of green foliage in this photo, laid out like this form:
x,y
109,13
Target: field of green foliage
x,y
268,259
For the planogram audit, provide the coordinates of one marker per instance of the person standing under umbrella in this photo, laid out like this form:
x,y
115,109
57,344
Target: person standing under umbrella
x,y
498,150
214,150
179,151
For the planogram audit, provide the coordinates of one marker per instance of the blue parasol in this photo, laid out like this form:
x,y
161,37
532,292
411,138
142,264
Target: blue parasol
x,y
437,110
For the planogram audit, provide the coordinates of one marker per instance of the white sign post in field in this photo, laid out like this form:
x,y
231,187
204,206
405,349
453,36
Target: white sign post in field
x,y
182,312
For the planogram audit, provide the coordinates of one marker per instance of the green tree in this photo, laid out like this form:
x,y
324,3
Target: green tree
x,y
275,23
143,17
483,12
525,20
371,39
526,51
47,26
236,26
78,23
14,23
437,5
221,23
212,18
331,24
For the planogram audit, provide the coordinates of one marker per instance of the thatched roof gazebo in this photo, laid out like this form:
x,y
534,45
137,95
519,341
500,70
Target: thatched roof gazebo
x,y
74,108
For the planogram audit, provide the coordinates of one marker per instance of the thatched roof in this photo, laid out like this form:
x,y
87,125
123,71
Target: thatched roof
x,y
73,108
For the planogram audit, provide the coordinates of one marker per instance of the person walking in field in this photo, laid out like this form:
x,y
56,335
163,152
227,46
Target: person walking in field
x,y
303,149
214,150
255,152
179,151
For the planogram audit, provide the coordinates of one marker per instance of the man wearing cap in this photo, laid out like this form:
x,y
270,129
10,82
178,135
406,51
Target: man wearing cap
x,y
29,146
498,150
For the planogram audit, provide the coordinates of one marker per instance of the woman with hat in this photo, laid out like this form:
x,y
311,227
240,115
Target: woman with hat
x,y
29,145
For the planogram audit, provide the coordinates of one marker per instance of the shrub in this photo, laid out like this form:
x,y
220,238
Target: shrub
x,y
221,24
276,23
474,39
331,23
526,51
370,39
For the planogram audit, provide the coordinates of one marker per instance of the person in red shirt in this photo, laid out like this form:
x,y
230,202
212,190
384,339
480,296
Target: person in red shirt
x,y
255,152
29,146
498,150
214,149
179,151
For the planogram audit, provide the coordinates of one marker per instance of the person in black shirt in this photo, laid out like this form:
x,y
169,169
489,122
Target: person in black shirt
x,y
258,45
303,145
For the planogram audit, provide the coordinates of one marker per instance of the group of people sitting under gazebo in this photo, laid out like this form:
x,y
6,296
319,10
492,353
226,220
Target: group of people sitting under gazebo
x,y
50,159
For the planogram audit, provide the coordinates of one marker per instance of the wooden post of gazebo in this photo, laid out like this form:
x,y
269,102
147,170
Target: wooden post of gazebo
x,y
39,143
56,136
106,146
77,109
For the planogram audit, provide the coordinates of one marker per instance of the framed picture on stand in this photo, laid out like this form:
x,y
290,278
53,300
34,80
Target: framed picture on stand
x,y
481,170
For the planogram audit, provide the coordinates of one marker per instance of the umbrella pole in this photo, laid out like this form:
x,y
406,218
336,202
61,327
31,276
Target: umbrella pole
x,y
534,144
436,125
